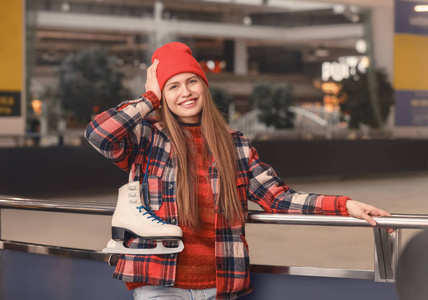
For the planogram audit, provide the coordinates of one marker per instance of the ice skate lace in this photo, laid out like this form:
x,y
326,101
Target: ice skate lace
x,y
148,210
151,214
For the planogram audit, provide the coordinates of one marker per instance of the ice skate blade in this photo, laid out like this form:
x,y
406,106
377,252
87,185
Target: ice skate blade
x,y
116,247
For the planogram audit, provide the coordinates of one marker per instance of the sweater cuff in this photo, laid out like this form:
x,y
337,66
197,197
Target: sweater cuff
x,y
335,205
134,285
149,95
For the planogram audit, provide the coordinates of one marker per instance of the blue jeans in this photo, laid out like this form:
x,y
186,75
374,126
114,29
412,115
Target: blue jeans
x,y
170,293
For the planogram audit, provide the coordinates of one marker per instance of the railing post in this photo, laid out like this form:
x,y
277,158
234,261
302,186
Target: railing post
x,y
387,247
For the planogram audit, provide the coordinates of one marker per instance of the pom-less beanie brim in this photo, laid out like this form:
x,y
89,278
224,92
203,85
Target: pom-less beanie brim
x,y
176,58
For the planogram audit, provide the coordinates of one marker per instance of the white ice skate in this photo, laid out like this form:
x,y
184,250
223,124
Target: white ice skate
x,y
132,218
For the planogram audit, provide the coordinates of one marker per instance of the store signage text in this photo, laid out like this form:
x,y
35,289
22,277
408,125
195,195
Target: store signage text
x,y
344,68
10,104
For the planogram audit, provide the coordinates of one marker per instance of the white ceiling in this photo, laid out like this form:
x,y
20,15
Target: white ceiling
x,y
366,3
289,5
295,5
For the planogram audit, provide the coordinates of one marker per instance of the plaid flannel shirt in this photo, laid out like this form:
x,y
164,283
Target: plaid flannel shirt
x,y
123,135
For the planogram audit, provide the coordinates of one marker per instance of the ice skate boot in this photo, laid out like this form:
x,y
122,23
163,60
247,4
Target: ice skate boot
x,y
131,218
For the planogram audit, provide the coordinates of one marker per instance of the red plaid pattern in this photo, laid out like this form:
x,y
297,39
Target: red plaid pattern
x,y
123,134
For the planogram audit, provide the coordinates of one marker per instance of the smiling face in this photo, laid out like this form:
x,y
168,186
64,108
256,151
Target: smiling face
x,y
185,96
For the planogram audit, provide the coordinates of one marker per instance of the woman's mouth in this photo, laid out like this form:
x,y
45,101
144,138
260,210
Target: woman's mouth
x,y
188,103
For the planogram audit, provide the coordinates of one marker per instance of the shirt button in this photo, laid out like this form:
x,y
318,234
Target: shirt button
x,y
171,186
172,255
172,221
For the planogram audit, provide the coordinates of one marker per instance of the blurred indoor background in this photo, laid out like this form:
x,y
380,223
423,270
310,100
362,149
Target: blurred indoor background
x,y
333,94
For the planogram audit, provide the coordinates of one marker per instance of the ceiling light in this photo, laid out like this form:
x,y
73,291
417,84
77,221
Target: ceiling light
x,y
249,2
211,64
65,6
321,52
292,5
351,12
247,21
421,8
339,9
361,46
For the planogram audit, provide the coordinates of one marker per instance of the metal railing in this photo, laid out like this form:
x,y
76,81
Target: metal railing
x,y
311,120
28,139
387,246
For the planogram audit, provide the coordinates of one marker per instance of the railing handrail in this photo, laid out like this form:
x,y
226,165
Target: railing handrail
x,y
405,221
395,221
80,207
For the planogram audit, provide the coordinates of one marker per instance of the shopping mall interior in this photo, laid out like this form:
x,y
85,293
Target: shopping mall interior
x,y
333,94
309,46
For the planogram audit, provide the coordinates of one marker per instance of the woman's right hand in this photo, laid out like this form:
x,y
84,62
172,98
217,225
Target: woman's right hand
x,y
152,83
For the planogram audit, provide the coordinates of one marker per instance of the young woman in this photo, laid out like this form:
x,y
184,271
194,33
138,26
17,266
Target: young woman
x,y
201,174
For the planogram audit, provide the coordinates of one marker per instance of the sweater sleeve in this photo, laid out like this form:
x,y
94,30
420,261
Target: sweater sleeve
x,y
271,193
119,132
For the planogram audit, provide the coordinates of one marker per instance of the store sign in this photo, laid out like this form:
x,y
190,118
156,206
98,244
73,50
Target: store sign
x,y
10,104
413,108
408,19
411,63
344,68
12,67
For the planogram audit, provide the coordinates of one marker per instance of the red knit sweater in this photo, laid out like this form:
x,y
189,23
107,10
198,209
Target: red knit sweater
x,y
196,267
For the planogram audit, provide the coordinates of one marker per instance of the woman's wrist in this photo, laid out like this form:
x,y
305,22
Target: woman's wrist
x,y
154,100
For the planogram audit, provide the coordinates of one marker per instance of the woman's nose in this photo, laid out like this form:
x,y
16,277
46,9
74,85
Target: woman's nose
x,y
186,91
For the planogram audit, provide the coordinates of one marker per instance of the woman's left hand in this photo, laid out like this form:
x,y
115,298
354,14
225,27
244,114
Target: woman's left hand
x,y
365,211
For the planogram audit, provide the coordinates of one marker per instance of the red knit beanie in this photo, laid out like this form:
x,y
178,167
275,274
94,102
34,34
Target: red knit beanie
x,y
176,58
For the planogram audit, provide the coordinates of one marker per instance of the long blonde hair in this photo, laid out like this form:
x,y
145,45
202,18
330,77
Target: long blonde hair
x,y
218,141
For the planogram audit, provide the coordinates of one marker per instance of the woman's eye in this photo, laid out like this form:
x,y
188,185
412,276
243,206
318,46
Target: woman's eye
x,y
172,87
